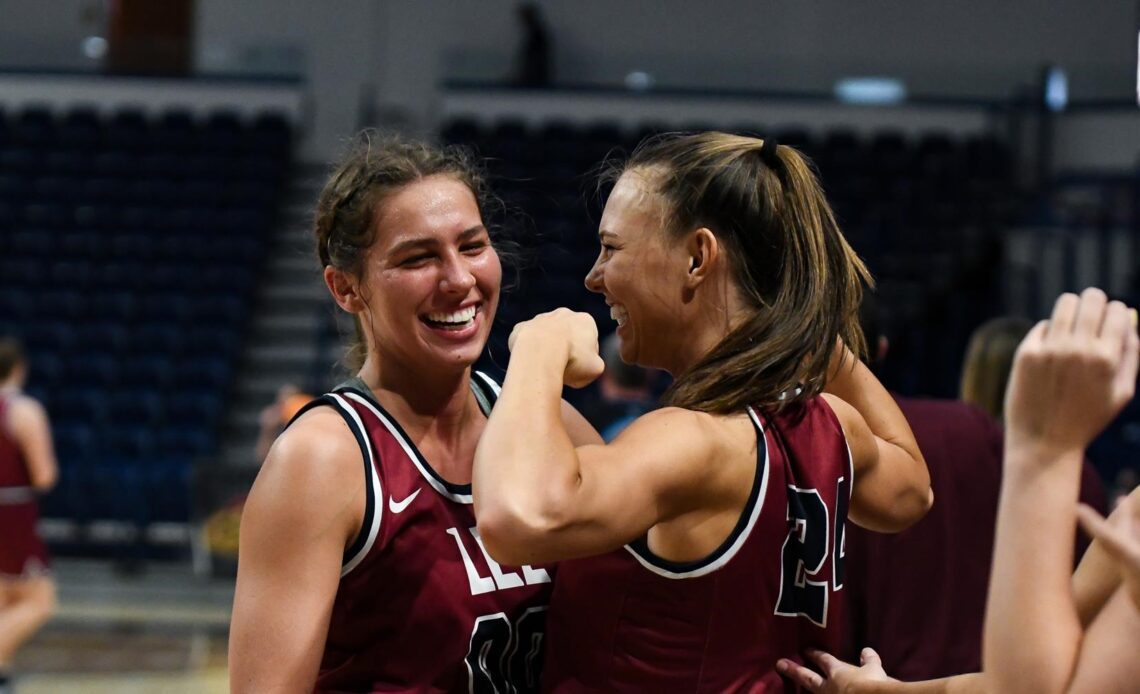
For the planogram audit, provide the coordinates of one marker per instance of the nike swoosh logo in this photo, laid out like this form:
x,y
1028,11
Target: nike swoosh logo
x,y
399,506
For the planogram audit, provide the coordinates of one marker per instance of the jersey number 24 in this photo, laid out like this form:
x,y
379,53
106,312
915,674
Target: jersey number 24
x,y
806,551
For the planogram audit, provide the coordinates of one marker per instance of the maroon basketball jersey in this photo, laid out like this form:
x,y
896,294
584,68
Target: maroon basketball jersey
x,y
22,552
631,621
13,469
421,606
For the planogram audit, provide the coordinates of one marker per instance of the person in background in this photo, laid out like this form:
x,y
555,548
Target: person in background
x,y
1044,632
624,392
27,468
989,357
274,416
947,554
985,376
532,62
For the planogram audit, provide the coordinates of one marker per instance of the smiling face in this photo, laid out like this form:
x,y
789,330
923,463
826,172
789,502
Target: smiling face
x,y
641,272
431,279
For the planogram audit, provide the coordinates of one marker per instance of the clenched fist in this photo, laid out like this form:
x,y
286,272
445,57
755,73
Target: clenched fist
x,y
578,332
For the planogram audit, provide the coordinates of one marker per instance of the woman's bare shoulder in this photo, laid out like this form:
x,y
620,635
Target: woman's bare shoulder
x,y
316,461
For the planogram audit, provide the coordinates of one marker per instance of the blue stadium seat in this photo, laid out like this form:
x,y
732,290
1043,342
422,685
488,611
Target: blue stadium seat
x,y
270,135
194,408
107,337
167,488
34,127
141,406
80,129
128,250
207,340
210,373
155,339
91,370
127,129
185,442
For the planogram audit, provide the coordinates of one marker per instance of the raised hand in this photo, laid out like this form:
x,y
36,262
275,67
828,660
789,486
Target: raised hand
x,y
1073,373
578,332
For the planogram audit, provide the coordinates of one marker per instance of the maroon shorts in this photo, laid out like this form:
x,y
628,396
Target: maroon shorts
x,y
22,552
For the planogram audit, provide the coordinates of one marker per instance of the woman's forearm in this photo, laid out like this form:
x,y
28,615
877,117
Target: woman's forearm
x,y
854,383
972,683
1032,630
525,465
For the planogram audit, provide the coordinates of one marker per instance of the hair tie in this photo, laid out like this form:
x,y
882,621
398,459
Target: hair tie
x,y
768,153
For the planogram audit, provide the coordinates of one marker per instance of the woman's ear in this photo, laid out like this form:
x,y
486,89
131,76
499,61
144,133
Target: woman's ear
x,y
703,250
345,290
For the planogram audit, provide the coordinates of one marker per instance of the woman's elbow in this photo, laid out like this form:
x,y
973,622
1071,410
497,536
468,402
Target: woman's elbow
x,y
912,506
514,537
901,512
45,482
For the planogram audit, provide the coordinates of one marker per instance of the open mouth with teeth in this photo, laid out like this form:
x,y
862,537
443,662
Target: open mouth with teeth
x,y
619,314
451,320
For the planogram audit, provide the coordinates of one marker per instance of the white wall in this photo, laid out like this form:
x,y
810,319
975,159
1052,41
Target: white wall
x,y
402,49
335,44
974,47
47,34
1089,140
153,95
632,110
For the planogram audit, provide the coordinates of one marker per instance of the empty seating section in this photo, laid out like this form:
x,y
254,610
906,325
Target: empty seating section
x,y
924,212
129,249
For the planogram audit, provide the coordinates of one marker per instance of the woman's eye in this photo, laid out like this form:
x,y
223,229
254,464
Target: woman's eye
x,y
416,259
473,247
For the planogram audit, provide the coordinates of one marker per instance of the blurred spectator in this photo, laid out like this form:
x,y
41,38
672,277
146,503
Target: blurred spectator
x,y
989,357
624,392
532,64
27,468
290,399
932,578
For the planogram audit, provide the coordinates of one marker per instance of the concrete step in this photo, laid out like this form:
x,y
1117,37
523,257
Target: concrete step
x,y
308,276
292,307
301,264
257,393
292,321
301,292
282,354
238,455
247,419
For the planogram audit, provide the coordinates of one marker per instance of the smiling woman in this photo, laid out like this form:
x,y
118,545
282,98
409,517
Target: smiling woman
x,y
706,540
360,567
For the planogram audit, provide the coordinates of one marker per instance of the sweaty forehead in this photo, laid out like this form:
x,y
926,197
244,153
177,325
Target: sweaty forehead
x,y
436,206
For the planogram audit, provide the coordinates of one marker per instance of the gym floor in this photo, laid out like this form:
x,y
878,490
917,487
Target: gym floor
x,y
162,630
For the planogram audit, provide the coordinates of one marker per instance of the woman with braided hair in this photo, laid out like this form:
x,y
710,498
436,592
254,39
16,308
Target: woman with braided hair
x,y
360,568
706,540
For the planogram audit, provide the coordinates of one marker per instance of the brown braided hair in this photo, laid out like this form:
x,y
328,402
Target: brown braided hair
x,y
375,167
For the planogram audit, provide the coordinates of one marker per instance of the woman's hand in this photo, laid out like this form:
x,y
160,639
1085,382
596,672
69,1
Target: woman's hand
x,y
576,331
838,677
1072,374
1120,536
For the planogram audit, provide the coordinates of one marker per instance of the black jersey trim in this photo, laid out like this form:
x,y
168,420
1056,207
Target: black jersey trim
x,y
489,389
460,493
456,492
370,523
727,550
